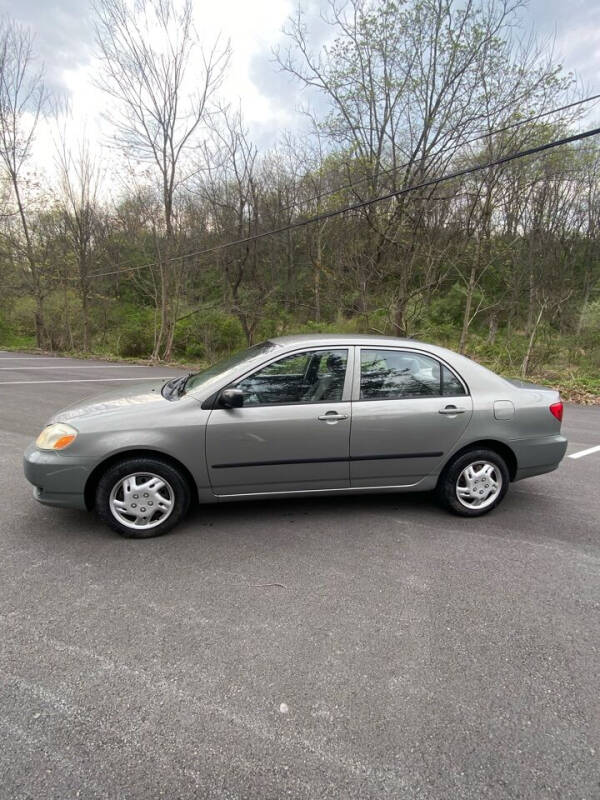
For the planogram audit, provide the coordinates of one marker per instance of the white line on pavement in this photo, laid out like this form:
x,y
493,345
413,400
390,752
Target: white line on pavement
x,y
77,366
33,358
90,380
587,452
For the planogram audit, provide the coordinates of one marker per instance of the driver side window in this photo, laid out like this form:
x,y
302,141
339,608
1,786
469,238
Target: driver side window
x,y
314,376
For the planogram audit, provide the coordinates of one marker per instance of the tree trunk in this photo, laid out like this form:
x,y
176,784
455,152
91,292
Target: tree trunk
x,y
68,329
290,302
317,266
40,328
399,319
468,306
527,360
85,314
163,312
531,307
581,317
168,351
493,328
248,328
172,320
40,332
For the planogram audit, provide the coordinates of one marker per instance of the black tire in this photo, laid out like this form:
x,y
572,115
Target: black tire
x,y
176,482
448,482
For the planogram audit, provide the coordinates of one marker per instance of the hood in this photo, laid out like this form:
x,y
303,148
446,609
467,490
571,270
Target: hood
x,y
138,394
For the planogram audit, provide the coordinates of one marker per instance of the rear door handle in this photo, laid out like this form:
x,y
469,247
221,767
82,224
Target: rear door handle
x,y
332,416
452,410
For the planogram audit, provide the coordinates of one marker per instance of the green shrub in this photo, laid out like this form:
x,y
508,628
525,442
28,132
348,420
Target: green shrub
x,y
133,334
9,338
590,327
208,334
195,351
21,316
449,308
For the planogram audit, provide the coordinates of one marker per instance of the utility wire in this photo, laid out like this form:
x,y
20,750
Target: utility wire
x,y
479,137
365,203
518,123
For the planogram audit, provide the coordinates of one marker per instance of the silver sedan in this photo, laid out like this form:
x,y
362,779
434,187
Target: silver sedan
x,y
299,415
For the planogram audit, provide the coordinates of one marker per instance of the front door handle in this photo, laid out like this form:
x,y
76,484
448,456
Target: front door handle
x,y
332,416
452,410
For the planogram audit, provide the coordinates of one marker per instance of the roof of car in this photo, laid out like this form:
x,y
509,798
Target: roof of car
x,y
345,338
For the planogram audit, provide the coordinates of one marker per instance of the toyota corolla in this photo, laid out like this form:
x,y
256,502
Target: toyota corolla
x,y
299,415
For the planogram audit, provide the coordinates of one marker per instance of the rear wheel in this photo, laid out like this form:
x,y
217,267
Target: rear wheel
x,y
142,497
474,483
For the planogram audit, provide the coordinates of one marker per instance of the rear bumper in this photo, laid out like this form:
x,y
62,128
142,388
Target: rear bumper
x,y
58,479
538,455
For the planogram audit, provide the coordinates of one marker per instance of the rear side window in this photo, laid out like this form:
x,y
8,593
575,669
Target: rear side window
x,y
451,386
394,374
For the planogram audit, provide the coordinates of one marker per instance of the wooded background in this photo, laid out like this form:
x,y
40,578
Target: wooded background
x,y
502,264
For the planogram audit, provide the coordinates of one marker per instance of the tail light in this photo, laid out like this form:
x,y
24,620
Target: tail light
x,y
556,409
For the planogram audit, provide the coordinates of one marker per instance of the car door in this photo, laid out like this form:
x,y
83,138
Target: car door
x,y
408,411
292,432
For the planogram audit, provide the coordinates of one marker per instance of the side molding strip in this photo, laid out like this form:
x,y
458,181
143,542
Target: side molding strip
x,y
283,462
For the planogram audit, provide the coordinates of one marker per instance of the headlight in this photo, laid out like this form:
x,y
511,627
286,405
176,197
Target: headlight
x,y
56,436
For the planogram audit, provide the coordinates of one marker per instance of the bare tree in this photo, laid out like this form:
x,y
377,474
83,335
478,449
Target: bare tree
x,y
405,85
23,99
147,47
80,176
230,187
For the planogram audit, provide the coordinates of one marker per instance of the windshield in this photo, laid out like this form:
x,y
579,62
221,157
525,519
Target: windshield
x,y
221,368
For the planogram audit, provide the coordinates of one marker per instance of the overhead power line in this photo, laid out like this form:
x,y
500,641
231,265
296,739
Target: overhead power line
x,y
478,138
389,171
365,203
516,124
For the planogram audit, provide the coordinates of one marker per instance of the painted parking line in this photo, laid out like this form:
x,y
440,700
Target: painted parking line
x,y
91,380
587,452
32,358
77,366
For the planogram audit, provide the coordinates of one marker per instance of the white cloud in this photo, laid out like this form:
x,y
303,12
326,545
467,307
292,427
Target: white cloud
x,y
252,28
64,33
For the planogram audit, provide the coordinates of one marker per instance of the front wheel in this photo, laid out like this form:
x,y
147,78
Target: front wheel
x,y
142,497
474,483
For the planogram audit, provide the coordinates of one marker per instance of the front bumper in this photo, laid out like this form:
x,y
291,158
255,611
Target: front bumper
x,y
58,479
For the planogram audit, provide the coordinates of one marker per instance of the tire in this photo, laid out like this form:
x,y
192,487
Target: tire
x,y
142,497
473,494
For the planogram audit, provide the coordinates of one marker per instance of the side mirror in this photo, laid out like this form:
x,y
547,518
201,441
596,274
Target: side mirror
x,y
231,398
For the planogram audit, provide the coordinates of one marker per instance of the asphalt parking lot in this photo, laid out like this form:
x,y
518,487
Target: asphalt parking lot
x,y
356,647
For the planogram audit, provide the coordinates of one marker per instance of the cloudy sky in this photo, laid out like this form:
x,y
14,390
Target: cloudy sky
x,y
65,41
